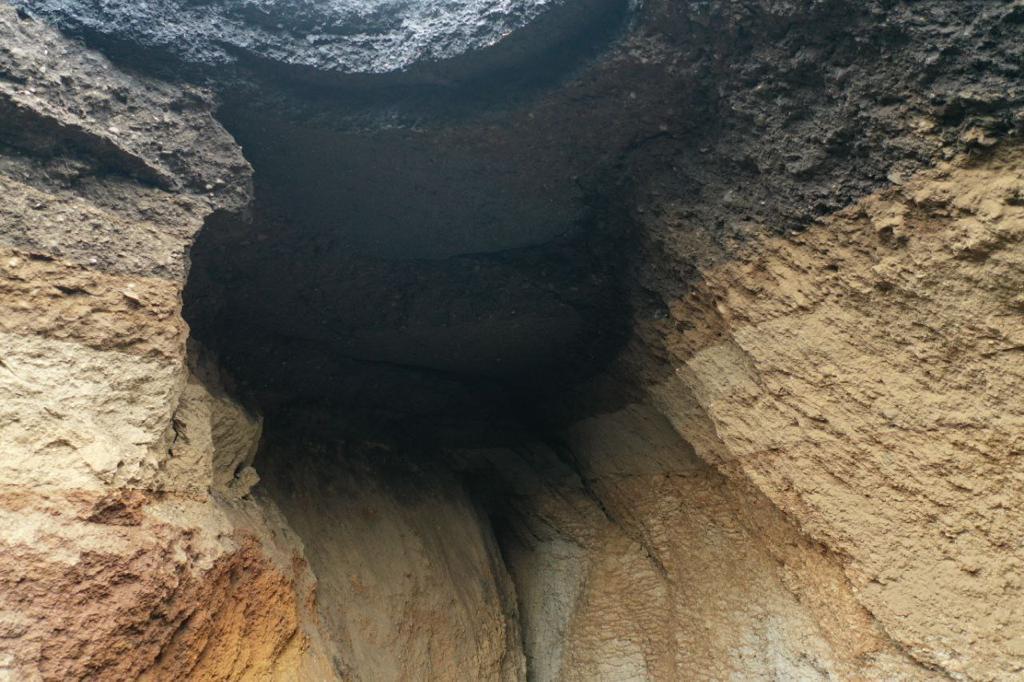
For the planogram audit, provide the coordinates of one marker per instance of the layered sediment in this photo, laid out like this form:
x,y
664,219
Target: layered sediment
x,y
482,341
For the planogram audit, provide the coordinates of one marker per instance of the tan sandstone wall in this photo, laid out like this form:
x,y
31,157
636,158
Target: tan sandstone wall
x,y
864,377
411,584
635,559
819,476
123,552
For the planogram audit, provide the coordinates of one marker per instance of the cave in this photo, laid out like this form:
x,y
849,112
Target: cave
x,y
430,315
554,340
416,315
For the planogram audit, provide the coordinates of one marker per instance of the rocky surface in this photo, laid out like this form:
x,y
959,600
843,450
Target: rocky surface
x,y
341,38
120,558
485,229
862,376
688,574
404,558
676,345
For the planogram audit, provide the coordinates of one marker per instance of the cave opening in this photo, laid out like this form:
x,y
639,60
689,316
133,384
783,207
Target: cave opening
x,y
554,340
437,301
410,309
441,285
447,300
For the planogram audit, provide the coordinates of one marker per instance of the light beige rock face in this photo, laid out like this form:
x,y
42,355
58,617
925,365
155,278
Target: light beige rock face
x,y
104,177
411,584
634,559
865,377
817,479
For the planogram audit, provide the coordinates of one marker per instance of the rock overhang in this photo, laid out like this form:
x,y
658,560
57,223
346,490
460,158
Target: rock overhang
x,y
424,41
427,221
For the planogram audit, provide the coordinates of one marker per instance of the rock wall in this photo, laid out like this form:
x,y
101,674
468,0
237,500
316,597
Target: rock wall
x,y
632,558
862,376
807,468
122,556
411,584
801,464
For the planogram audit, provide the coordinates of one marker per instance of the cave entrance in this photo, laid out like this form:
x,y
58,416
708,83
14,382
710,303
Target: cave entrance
x,y
400,316
397,304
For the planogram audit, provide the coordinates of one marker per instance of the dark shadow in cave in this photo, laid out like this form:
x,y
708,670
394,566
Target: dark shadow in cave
x,y
418,248
300,318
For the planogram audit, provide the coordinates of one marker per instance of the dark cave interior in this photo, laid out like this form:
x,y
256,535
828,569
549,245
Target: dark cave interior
x,y
420,250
